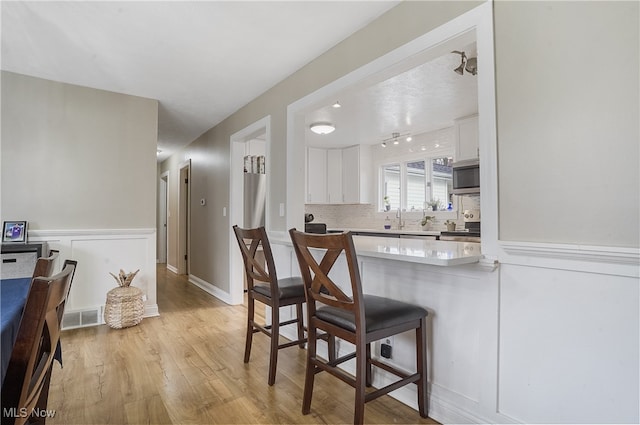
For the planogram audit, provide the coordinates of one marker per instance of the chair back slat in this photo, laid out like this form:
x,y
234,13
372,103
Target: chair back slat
x,y
44,265
249,240
27,376
319,285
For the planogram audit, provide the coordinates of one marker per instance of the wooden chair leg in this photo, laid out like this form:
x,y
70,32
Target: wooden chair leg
x,y
300,318
43,400
368,378
331,343
249,337
421,361
275,341
360,383
310,372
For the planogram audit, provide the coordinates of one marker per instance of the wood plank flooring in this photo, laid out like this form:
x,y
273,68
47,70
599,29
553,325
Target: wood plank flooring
x,y
185,367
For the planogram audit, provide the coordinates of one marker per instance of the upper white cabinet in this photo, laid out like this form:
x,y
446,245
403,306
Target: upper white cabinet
x,y
335,195
316,176
357,184
337,176
466,134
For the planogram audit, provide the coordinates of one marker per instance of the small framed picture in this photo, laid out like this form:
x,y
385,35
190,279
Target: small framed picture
x,y
14,231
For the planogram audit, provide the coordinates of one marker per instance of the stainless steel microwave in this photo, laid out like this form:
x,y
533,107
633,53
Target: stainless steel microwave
x,y
466,177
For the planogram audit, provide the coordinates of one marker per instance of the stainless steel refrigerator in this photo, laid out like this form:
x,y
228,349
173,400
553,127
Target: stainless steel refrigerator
x,y
255,188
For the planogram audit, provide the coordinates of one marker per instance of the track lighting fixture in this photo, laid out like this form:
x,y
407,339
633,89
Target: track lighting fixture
x,y
395,138
470,65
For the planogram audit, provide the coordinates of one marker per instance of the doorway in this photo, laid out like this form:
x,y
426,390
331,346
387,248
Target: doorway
x,y
238,147
163,207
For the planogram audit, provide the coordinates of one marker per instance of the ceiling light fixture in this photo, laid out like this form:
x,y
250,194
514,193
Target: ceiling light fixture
x,y
383,144
395,138
337,105
322,127
470,65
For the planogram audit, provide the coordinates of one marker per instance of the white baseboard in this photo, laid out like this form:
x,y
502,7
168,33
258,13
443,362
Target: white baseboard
x,y
172,268
211,289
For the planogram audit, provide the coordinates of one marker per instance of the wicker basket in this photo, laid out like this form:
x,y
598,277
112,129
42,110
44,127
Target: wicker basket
x,y
124,307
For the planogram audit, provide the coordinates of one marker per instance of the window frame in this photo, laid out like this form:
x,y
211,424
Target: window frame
x,y
402,161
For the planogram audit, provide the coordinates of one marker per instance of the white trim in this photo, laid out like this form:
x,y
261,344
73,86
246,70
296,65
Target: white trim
x,y
581,258
172,268
88,232
211,289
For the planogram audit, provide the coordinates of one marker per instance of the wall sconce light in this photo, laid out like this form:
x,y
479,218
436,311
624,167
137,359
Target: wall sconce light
x,y
322,127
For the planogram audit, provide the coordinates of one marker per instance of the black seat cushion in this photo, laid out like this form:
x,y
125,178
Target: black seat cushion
x,y
380,313
289,287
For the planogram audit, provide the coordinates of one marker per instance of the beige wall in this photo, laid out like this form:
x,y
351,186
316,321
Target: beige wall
x,y
86,155
568,135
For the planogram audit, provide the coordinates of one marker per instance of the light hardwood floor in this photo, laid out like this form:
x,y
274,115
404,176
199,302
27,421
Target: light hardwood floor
x,y
185,367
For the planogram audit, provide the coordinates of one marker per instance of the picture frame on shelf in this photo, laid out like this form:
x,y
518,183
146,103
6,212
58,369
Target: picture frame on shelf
x,y
14,231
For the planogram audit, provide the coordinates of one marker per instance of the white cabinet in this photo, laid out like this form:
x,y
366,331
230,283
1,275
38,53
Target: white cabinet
x,y
357,184
466,134
316,176
336,176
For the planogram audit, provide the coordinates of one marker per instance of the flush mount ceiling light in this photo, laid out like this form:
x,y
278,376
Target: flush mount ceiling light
x,y
337,105
322,127
470,65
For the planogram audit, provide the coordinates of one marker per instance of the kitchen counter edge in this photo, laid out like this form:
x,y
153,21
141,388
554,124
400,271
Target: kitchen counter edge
x,y
400,245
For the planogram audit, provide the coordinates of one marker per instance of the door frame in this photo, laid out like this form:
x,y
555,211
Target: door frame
x,y
163,217
184,217
236,199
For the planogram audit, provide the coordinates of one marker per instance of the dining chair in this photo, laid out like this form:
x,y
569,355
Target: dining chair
x,y
359,319
26,384
44,265
263,285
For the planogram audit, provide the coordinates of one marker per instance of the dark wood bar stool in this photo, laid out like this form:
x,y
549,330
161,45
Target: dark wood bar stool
x,y
263,285
359,319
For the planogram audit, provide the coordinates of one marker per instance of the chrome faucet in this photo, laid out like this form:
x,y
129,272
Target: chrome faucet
x,y
400,220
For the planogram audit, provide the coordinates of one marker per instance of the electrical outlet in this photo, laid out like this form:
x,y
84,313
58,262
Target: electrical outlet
x,y
385,350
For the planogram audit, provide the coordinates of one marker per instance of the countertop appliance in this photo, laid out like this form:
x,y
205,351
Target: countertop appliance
x,y
466,177
315,228
471,232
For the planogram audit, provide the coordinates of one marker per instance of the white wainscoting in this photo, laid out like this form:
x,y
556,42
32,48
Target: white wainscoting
x,y
551,336
569,333
98,252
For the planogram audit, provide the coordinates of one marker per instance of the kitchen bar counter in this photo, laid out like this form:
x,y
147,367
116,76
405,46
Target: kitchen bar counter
x,y
424,251
390,232
421,251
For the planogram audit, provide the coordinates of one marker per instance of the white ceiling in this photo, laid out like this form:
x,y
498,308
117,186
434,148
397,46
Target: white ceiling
x,y
201,60
415,97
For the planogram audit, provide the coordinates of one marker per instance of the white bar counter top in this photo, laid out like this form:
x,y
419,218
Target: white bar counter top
x,y
422,251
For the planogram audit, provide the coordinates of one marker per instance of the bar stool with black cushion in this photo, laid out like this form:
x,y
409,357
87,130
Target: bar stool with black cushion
x,y
264,285
359,319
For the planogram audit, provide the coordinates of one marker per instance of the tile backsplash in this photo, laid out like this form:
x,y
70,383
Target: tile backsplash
x,y
365,216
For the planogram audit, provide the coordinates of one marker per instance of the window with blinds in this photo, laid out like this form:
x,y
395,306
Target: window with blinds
x,y
413,184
